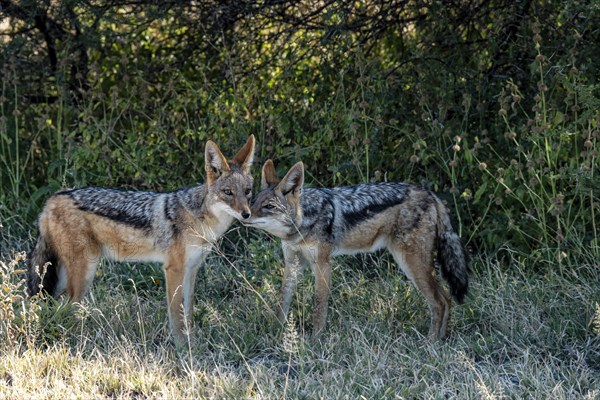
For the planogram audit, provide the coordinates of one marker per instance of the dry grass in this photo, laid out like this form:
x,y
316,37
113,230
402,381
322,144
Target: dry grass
x,y
519,335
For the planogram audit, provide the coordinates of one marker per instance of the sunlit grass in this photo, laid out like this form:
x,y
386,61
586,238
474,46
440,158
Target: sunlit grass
x,y
518,335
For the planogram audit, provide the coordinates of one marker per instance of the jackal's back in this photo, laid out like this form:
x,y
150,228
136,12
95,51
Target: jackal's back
x,y
341,209
137,209
131,208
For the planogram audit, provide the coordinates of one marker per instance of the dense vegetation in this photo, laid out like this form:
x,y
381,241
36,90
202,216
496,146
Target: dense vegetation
x,y
494,105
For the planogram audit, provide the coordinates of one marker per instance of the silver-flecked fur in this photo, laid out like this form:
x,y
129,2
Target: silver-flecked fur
x,y
318,223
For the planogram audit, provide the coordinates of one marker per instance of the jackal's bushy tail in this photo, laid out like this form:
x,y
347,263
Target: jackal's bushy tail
x,y
43,272
451,255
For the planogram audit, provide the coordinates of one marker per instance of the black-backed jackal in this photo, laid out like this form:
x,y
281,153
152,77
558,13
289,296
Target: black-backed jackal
x,y
77,227
316,224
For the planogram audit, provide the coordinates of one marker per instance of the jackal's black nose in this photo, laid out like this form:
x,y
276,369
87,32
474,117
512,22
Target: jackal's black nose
x,y
245,214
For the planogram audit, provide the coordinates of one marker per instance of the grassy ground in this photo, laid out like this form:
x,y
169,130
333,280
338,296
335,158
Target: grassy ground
x,y
519,335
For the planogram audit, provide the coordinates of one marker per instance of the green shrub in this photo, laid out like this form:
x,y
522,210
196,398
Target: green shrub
x,y
503,128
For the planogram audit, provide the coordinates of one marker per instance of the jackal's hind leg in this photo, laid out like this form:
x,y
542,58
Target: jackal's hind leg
x,y
78,269
418,266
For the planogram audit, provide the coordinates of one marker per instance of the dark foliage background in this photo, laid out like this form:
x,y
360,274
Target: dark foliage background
x,y
492,104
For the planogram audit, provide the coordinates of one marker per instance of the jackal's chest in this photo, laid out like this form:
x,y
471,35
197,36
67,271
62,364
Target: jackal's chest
x,y
210,229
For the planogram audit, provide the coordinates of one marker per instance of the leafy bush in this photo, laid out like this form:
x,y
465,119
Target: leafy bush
x,y
491,109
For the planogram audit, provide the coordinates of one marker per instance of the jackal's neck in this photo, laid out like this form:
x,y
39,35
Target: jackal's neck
x,y
192,199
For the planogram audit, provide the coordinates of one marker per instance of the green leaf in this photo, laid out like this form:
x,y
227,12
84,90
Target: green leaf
x,y
480,192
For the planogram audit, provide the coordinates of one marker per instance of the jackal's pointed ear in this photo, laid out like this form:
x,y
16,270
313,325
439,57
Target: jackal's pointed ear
x,y
269,176
292,181
214,162
245,156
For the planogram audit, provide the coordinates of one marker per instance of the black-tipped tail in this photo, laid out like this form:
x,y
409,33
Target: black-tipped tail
x,y
43,268
452,257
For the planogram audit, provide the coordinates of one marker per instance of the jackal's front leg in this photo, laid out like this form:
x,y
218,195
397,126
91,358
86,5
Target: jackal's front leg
x,y
174,275
294,266
322,288
194,259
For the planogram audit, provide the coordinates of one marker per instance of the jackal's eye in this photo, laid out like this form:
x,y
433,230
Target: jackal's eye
x,y
227,192
269,206
248,191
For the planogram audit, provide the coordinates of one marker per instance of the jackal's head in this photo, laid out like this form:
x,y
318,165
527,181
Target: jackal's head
x,y
229,183
277,208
